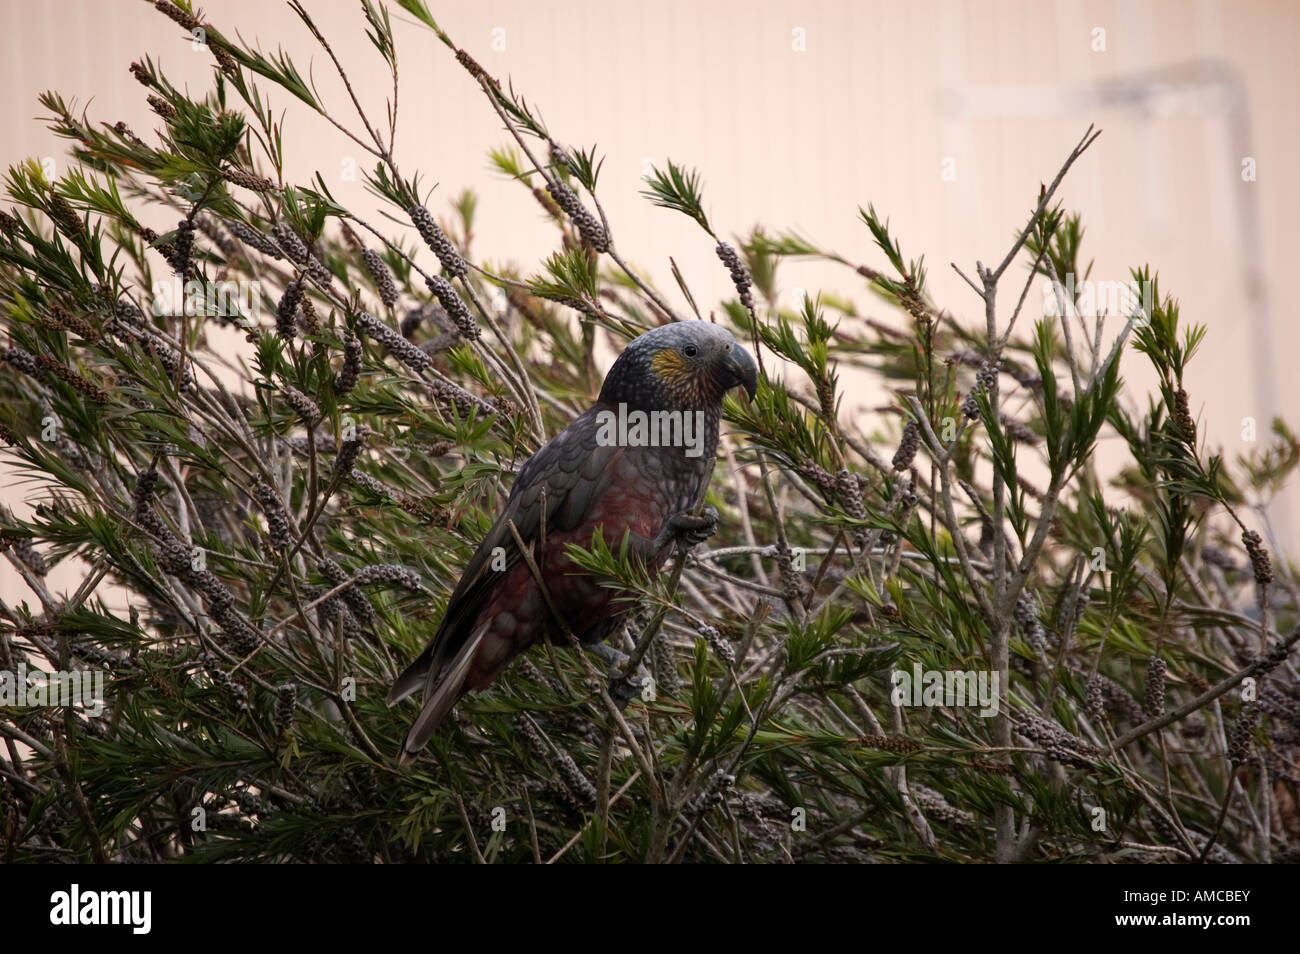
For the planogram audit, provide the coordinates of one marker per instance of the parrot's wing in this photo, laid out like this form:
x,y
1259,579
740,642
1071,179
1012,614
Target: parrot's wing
x,y
567,475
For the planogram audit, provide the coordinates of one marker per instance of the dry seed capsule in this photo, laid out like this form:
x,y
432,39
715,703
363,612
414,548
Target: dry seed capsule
x,y
388,573
187,20
30,556
1026,615
182,247
456,309
248,180
277,519
1259,559
589,226
907,447
25,362
740,276
383,278
286,312
574,780
1183,416
721,648
1241,734
1154,704
356,601
289,241
163,108
318,272
142,75
222,680
397,346
305,406
435,238
347,457
284,708
250,236
1093,700
350,371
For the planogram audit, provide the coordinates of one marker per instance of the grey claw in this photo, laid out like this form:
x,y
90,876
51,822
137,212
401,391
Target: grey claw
x,y
695,528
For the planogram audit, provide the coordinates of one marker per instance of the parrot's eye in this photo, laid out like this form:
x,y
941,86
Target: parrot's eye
x,y
690,351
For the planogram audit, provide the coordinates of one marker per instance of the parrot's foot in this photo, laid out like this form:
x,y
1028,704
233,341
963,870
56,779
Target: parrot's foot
x,y
623,688
690,528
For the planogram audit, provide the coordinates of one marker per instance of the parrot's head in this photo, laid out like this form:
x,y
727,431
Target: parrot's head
x,y
685,364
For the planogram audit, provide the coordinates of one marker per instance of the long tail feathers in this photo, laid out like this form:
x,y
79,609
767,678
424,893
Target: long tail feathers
x,y
439,696
414,676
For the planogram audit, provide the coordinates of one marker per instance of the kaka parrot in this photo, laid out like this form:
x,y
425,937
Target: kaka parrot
x,y
602,472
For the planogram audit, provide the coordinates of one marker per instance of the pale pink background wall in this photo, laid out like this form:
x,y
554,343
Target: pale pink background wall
x,y
880,95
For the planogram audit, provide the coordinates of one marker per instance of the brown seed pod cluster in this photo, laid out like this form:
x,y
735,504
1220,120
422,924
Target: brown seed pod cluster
x,y
286,312
986,378
1094,701
293,247
1241,734
850,494
1058,745
347,456
66,320
277,518
907,447
1183,416
182,246
24,361
573,779
1259,558
740,276
248,180
253,238
65,216
457,310
1026,617
305,407
476,71
900,745
221,679
793,586
437,240
589,227
820,476
286,702
389,574
160,106
1154,704
355,600
382,277
225,60
142,75
350,370
70,377
721,648
177,15
397,346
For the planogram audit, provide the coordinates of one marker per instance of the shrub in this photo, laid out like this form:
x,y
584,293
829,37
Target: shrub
x,y
271,436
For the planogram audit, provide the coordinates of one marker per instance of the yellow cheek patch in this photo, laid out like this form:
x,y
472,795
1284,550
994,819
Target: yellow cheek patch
x,y
679,377
668,366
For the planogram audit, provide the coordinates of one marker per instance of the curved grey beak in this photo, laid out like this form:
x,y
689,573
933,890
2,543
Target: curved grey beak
x,y
740,370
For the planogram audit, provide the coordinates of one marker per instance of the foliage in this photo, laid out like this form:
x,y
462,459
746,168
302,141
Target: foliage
x,y
270,497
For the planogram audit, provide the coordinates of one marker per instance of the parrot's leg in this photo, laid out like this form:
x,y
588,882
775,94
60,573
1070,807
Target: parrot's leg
x,y
623,688
689,528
